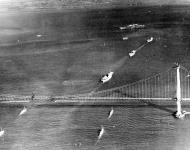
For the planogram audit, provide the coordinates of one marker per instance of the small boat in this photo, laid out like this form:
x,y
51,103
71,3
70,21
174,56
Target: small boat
x,y
132,26
125,38
132,53
135,26
2,132
38,35
122,28
111,113
101,133
23,111
150,39
107,77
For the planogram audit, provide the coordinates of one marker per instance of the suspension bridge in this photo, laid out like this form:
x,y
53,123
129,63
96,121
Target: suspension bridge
x,y
162,86
173,84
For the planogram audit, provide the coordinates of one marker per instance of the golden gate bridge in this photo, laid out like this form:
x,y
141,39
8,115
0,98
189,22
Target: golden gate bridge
x,y
173,84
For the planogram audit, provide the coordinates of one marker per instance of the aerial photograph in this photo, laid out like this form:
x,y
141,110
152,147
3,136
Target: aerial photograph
x,y
94,74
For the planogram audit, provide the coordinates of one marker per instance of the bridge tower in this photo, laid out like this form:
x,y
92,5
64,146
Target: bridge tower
x,y
179,113
178,93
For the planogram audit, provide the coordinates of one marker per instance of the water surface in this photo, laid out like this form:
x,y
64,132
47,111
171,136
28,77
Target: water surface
x,y
135,127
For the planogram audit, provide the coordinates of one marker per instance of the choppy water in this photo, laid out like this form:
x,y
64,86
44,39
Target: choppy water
x,y
76,128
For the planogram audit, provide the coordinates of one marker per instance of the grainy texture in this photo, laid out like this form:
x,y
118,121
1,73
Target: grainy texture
x,y
133,127
66,52
78,4
77,48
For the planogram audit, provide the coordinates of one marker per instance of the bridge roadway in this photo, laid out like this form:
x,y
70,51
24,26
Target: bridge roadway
x,y
45,100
